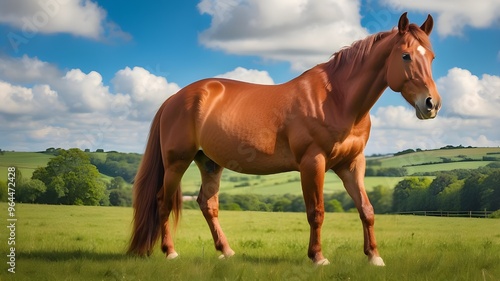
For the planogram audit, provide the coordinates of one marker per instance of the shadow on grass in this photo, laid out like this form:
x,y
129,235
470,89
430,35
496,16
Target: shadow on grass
x,y
56,256
73,255
272,259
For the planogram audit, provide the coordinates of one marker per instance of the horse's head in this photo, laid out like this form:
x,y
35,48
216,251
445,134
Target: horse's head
x,y
409,67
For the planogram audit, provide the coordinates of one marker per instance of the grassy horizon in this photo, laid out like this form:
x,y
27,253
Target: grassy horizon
x,y
89,243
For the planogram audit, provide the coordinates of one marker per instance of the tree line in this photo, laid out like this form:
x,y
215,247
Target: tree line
x,y
380,196
73,177
117,164
70,179
457,190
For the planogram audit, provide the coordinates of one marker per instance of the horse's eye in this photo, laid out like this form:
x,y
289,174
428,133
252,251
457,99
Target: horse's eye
x,y
406,57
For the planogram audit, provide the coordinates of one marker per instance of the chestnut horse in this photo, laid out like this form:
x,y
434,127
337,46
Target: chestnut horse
x,y
316,122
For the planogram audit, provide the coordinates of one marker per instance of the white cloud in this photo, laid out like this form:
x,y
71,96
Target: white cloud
x,y
77,109
248,75
77,17
37,101
453,16
466,95
49,131
26,70
146,91
302,32
481,141
84,92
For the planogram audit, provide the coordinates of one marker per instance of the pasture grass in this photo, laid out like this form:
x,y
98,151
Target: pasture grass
x,y
447,166
27,162
88,243
429,156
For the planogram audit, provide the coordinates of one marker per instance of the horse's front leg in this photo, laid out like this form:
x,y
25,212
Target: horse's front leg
x,y
312,174
352,175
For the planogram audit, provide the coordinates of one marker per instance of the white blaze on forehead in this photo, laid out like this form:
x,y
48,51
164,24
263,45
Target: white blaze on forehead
x,y
421,50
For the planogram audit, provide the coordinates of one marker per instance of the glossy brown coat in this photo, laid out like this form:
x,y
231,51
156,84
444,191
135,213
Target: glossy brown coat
x,y
316,122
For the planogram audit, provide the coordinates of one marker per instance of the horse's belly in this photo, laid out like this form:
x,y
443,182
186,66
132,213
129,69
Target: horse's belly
x,y
245,158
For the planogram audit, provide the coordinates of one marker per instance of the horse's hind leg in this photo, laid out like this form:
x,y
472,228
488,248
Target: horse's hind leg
x,y
208,199
170,199
312,173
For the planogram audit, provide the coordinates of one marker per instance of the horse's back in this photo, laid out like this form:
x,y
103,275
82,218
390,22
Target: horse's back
x,y
239,125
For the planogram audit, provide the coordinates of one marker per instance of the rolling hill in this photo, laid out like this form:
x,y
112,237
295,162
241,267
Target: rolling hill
x,y
415,163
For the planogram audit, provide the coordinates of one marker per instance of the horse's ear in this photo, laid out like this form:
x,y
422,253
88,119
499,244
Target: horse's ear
x,y
404,24
427,25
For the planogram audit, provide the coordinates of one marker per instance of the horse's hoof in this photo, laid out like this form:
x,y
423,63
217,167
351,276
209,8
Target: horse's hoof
x,y
227,255
172,256
322,262
377,261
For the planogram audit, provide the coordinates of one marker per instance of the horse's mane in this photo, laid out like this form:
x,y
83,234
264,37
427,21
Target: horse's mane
x,y
355,53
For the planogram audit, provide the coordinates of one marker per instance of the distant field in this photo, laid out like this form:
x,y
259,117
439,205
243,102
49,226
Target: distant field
x,y
429,156
88,243
27,162
283,183
275,184
447,166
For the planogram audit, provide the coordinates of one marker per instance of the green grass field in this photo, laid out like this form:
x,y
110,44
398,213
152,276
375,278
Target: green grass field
x,y
27,162
429,156
88,243
447,166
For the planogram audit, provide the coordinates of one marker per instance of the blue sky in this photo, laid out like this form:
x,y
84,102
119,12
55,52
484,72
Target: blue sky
x,y
91,74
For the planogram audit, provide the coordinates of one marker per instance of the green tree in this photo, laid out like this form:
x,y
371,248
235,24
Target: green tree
x,y
230,206
381,199
120,197
410,195
490,191
437,186
31,191
334,205
298,204
343,197
119,193
116,183
70,179
370,172
470,195
282,205
117,164
3,191
449,198
248,202
55,189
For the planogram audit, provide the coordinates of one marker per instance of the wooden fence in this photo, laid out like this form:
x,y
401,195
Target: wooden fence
x,y
464,214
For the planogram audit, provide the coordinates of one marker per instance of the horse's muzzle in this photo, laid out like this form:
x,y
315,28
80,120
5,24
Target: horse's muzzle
x,y
427,108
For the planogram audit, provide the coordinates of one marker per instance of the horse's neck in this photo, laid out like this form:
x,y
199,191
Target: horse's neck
x,y
364,84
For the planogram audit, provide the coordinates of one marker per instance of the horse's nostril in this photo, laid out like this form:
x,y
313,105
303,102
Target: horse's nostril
x,y
429,104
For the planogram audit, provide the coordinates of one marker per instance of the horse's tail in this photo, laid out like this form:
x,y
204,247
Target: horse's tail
x,y
147,183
